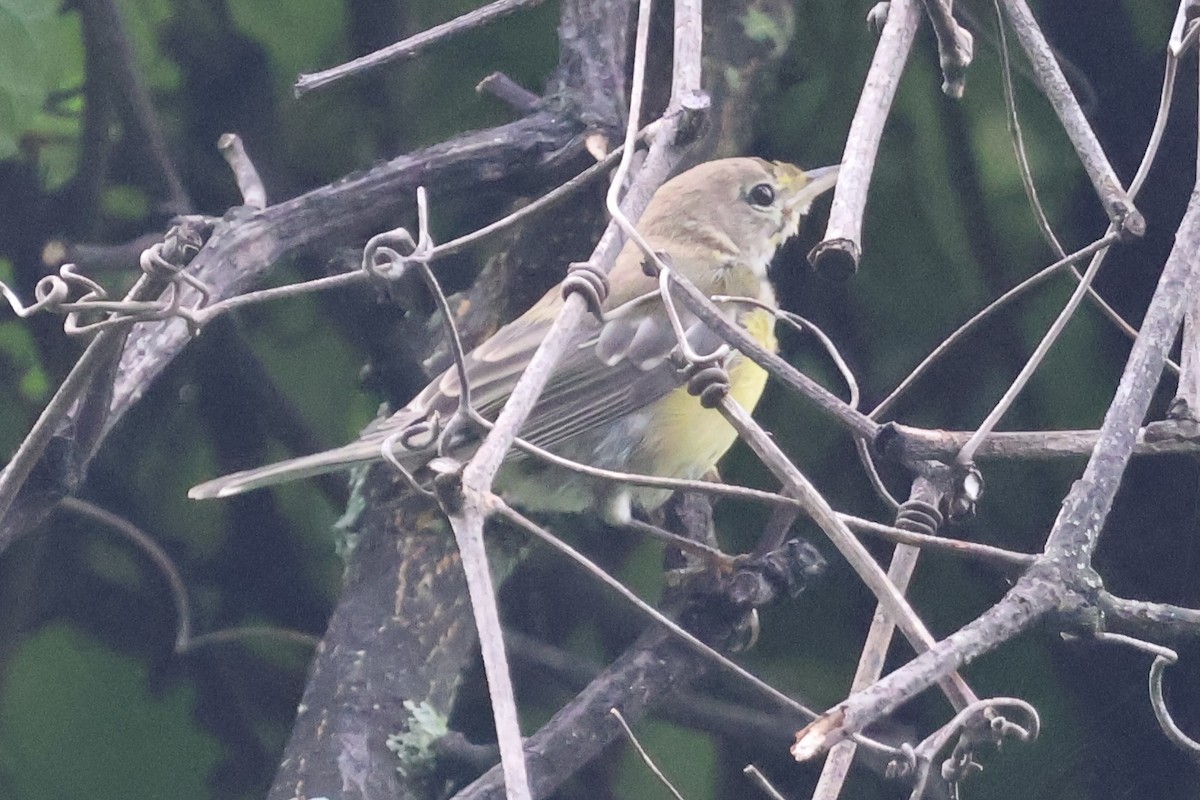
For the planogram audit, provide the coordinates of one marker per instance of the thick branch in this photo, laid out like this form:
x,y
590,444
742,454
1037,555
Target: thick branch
x,y
655,665
244,249
907,445
372,666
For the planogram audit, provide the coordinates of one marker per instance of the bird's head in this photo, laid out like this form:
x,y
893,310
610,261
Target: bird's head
x,y
734,209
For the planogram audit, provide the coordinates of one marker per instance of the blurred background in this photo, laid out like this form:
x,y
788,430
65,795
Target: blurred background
x,y
93,702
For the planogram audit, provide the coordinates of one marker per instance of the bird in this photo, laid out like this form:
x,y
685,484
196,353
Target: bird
x,y
618,399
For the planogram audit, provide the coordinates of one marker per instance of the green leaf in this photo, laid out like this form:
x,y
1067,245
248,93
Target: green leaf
x,y
40,53
82,721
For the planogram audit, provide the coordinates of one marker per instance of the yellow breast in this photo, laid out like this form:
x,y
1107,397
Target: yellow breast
x,y
687,439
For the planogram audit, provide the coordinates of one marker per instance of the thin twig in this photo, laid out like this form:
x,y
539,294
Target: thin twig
x,y
499,507
996,556
967,454
907,445
508,91
467,522
982,316
101,349
203,316
737,336
761,781
249,632
730,717
91,258
1122,213
409,47
133,94
158,556
1028,29
714,556
875,647
1026,173
185,642
646,759
819,510
1149,620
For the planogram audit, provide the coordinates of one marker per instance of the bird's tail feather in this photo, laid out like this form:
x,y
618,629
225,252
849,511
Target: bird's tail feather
x,y
284,471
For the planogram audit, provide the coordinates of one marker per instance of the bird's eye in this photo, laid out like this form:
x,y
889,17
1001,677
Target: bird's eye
x,y
761,195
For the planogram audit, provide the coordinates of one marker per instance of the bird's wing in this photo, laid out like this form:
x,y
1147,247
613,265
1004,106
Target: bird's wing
x,y
609,370
622,368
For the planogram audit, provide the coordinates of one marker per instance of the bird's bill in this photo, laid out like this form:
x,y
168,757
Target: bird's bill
x,y
820,181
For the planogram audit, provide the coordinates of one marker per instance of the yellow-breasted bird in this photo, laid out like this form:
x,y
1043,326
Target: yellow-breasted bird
x,y
617,399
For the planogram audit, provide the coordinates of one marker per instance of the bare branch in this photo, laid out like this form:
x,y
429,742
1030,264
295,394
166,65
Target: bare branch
x,y
849,418
641,751
1018,140
1100,245
837,254
818,509
967,454
185,642
684,636
201,317
956,46
254,194
1062,578
508,91
1187,396
467,520
412,45
908,445
879,638
999,557
1122,213
103,348
761,781
663,659
241,251
1157,621
91,259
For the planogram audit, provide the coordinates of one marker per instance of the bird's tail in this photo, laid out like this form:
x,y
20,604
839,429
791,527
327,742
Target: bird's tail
x,y
284,471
